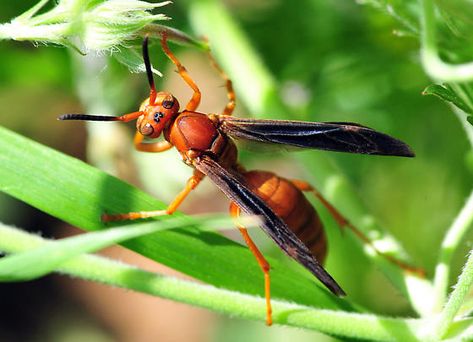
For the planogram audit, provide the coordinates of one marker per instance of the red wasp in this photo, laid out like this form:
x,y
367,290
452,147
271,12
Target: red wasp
x,y
205,143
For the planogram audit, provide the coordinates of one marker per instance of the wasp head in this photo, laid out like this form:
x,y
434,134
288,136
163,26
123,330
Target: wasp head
x,y
158,116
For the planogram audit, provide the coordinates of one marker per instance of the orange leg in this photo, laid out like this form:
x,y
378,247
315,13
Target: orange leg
x,y
172,207
235,212
343,222
195,100
228,110
159,146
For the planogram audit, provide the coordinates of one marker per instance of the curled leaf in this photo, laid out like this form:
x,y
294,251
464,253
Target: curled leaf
x,y
448,95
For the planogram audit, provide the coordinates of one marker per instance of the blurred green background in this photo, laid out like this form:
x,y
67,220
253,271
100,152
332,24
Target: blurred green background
x,y
334,61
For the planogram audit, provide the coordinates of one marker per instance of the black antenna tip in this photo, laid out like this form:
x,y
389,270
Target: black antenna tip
x,y
87,117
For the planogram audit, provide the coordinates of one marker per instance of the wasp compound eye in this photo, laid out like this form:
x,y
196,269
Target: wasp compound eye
x,y
168,104
146,129
158,116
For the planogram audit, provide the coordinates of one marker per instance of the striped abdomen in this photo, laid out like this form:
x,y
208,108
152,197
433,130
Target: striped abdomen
x,y
290,204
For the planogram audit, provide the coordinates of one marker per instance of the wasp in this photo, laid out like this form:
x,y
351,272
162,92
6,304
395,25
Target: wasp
x,y
205,142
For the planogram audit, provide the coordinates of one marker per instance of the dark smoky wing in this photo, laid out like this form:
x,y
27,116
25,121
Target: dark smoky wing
x,y
277,230
332,136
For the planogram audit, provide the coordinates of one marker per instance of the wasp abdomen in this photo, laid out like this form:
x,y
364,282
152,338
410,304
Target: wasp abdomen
x,y
290,204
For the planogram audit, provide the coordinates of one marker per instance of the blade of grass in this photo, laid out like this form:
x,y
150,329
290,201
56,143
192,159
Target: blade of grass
x,y
77,193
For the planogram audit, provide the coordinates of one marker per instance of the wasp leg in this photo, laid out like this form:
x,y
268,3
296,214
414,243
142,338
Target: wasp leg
x,y
343,222
195,100
265,267
191,184
228,110
159,146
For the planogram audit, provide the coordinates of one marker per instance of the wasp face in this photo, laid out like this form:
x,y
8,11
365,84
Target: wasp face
x,y
156,117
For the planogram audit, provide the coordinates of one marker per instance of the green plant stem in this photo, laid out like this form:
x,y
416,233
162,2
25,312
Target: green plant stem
x,y
433,64
257,88
40,261
96,25
460,225
33,10
460,114
89,267
456,298
450,243
21,31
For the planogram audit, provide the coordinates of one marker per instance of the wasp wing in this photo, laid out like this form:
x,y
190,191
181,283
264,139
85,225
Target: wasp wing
x,y
238,192
332,136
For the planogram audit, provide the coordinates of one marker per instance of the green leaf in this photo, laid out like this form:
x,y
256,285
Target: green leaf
x,y
77,193
446,94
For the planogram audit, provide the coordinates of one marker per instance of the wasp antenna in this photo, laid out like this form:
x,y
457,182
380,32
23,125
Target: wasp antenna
x,y
88,117
149,71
